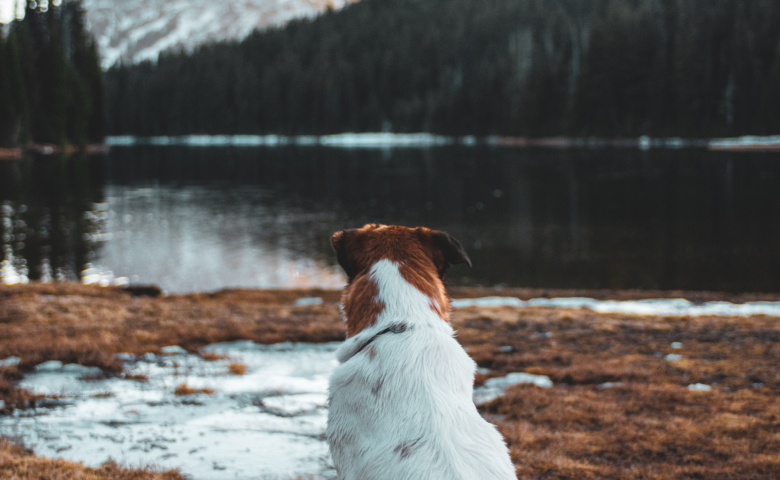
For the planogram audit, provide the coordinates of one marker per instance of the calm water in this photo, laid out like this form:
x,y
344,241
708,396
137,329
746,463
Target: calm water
x,y
204,218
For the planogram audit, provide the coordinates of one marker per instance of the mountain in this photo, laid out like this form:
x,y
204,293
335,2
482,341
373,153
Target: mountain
x,y
136,30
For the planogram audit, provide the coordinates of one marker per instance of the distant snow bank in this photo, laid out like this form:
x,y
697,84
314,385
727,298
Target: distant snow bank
x,y
343,140
373,140
746,143
428,140
663,307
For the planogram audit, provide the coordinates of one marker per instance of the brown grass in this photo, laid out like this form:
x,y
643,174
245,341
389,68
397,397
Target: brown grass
x,y
18,463
237,368
650,427
88,325
13,396
212,356
185,389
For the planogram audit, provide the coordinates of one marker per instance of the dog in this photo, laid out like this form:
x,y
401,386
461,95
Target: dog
x,y
400,402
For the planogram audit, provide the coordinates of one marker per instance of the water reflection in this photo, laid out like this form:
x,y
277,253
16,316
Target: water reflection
x,y
48,227
208,218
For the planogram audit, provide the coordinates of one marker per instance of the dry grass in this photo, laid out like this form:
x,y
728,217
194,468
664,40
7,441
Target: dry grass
x,y
237,368
18,463
88,325
650,427
185,389
13,396
212,356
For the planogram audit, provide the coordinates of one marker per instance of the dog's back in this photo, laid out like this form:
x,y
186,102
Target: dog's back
x,y
400,403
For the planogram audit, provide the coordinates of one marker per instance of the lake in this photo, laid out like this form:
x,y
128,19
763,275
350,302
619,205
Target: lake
x,y
205,218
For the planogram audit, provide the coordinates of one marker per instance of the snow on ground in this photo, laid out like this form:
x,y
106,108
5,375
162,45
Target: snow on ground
x,y
664,307
495,387
269,422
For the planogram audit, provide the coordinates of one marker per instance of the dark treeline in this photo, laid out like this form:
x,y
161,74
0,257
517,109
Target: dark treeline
x,y
511,67
51,84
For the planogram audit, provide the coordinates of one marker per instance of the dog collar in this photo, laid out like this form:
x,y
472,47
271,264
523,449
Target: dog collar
x,y
356,344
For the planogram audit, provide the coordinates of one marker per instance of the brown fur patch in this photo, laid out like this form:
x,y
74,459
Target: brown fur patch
x,y
361,305
417,251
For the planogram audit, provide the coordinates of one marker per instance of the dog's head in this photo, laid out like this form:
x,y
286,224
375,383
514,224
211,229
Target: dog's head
x,y
423,257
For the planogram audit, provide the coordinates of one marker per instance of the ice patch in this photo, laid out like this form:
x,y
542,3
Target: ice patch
x,y
673,357
676,345
663,307
148,357
488,302
10,362
92,372
173,350
699,387
307,301
49,366
610,384
125,357
269,423
495,387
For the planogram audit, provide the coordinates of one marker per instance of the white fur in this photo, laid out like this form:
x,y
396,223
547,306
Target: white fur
x,y
408,414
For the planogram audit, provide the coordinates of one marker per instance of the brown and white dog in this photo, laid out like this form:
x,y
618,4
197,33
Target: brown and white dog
x,y
400,402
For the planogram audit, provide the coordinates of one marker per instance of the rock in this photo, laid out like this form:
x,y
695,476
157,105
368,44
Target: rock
x,y
174,350
506,349
10,362
50,366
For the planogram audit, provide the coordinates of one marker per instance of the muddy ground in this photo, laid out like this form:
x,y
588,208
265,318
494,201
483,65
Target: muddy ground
x,y
620,407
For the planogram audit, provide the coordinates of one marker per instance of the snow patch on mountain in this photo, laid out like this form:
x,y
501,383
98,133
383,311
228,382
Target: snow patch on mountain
x,y
137,30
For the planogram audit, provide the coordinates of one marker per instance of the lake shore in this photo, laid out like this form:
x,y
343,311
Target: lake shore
x,y
633,396
45,149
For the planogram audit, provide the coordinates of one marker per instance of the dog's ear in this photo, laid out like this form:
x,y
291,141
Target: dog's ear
x,y
451,250
341,245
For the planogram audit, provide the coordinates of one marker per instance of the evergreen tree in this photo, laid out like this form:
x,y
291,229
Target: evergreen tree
x,y
7,113
509,67
51,85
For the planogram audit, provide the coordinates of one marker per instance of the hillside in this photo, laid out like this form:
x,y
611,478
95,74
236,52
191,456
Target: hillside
x,y
508,67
